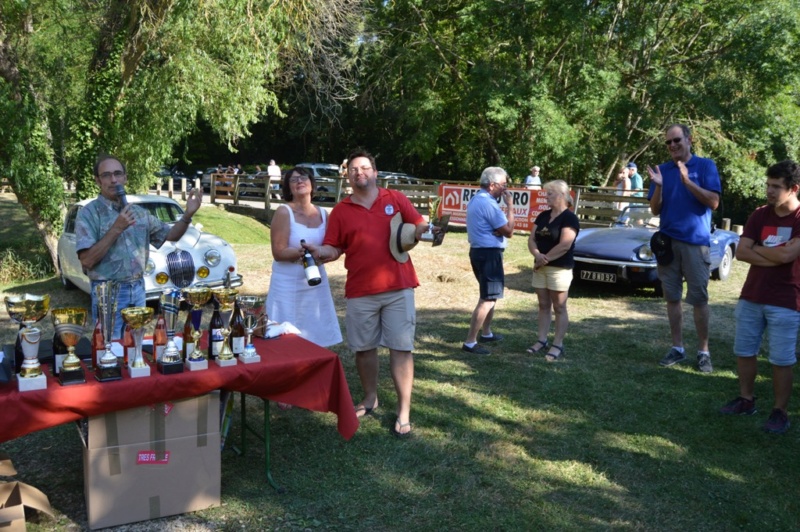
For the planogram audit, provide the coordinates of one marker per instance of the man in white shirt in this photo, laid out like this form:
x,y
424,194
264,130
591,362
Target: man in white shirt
x,y
533,181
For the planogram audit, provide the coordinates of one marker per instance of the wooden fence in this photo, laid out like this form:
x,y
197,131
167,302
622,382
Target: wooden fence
x,y
233,190
600,206
595,206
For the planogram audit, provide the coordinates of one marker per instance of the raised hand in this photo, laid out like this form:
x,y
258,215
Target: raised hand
x,y
655,175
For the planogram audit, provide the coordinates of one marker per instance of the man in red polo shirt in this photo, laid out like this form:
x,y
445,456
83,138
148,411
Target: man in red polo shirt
x,y
379,288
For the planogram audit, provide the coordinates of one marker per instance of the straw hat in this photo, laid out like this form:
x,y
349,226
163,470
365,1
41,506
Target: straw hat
x,y
402,238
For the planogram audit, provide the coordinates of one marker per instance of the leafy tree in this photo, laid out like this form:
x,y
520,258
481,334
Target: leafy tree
x,y
580,87
133,77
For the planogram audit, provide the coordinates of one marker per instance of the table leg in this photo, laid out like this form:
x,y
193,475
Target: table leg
x,y
264,437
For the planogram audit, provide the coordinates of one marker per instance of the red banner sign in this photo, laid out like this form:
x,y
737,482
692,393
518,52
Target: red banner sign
x,y
527,204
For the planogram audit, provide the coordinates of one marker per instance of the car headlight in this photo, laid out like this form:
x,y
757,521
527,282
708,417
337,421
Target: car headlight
x,y
149,267
645,253
162,278
212,257
202,272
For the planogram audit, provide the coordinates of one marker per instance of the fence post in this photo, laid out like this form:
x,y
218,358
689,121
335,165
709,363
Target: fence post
x,y
236,189
267,193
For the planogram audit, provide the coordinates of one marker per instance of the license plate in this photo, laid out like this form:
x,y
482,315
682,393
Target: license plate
x,y
599,276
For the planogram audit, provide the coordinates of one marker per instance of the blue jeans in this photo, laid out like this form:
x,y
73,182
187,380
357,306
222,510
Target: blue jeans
x,y
781,325
131,294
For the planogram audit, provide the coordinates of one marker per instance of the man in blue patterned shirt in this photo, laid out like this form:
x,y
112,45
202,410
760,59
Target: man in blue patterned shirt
x,y
113,242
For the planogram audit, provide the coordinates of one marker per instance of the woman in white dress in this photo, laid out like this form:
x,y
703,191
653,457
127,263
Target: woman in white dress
x,y
290,298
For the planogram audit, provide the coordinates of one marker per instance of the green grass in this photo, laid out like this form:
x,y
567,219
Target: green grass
x,y
603,439
23,255
236,229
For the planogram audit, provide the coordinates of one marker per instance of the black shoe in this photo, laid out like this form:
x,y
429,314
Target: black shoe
x,y
488,339
673,357
778,422
740,406
477,349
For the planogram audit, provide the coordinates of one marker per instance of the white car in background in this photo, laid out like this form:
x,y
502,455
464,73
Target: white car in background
x,y
197,258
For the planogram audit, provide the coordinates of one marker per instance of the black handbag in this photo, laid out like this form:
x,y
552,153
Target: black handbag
x,y
661,246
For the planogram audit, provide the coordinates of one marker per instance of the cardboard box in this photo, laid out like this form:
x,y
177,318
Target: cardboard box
x,y
151,462
15,496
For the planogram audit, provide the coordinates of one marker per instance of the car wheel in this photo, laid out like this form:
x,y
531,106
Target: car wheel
x,y
724,271
658,289
66,283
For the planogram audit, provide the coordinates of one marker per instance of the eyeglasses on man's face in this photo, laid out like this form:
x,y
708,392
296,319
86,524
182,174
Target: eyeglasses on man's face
x,y
355,169
676,140
115,173
298,179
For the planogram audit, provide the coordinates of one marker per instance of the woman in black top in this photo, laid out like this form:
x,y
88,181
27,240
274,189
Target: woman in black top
x,y
552,243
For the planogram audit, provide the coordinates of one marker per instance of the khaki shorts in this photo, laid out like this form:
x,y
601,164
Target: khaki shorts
x,y
388,320
692,263
552,278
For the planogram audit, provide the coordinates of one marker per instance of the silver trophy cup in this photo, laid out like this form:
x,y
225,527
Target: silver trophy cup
x,y
106,292
253,309
171,361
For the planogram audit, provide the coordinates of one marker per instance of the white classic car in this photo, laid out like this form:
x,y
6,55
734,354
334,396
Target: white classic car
x,y
197,258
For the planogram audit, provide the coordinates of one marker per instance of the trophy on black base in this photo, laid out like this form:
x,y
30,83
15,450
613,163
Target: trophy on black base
x,y
226,297
171,361
27,310
69,324
197,297
107,368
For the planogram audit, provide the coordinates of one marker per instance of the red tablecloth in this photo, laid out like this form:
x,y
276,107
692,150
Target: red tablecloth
x,y
292,370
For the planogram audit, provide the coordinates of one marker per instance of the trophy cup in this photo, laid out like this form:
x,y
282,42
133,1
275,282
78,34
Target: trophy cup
x,y
226,297
197,297
27,310
69,323
433,208
171,361
107,368
137,318
253,309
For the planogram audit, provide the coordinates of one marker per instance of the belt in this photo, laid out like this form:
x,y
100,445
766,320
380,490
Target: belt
x,y
132,280
129,280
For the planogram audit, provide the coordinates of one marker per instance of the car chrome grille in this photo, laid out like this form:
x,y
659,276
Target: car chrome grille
x,y
181,268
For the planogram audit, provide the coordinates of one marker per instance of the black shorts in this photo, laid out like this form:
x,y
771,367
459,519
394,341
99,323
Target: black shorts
x,y
487,265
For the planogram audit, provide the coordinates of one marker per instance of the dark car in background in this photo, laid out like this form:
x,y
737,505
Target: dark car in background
x,y
396,178
325,176
165,172
621,254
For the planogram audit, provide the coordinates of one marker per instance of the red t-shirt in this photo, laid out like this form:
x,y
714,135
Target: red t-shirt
x,y
363,235
773,285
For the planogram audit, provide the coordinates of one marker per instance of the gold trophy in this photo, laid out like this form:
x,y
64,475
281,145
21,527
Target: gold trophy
x,y
27,310
253,309
69,323
197,297
108,368
170,361
137,318
226,297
